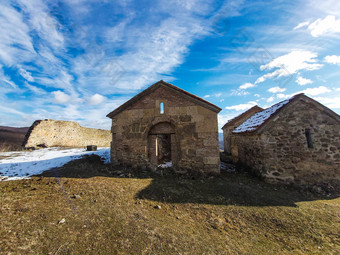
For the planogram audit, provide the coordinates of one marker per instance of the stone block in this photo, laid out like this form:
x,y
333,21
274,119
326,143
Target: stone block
x,y
211,160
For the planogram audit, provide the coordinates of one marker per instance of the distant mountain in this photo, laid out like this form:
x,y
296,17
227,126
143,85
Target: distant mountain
x,y
11,138
14,129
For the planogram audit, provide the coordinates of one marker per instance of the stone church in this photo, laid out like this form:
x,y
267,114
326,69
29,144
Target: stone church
x,y
295,141
166,126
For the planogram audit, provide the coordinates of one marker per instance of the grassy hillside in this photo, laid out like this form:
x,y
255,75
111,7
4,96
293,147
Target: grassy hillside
x,y
86,207
11,138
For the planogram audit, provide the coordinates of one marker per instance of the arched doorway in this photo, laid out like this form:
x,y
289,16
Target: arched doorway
x,y
162,145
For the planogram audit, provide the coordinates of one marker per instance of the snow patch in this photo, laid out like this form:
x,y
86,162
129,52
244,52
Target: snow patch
x,y
165,165
21,165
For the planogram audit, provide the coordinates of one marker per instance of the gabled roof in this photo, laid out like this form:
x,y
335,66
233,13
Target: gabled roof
x,y
254,109
171,87
258,122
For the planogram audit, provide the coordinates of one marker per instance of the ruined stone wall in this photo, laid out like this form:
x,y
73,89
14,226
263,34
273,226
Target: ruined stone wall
x,y
195,142
57,133
281,152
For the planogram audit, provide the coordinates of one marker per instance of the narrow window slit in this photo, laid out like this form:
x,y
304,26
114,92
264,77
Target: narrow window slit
x,y
161,107
309,138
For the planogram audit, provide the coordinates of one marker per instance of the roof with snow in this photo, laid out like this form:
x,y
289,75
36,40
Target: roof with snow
x,y
254,109
259,119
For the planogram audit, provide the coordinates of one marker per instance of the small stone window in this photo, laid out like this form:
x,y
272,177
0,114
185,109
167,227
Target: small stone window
x,y
309,138
161,108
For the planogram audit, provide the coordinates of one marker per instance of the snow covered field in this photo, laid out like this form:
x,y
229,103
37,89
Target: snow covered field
x,y
22,164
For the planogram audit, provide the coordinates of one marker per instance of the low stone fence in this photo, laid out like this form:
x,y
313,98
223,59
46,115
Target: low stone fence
x,y
57,133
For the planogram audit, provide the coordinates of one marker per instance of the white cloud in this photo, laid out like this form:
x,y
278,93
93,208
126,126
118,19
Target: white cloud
x,y
42,22
25,74
309,92
14,31
289,64
224,118
60,97
271,99
217,95
153,50
147,51
316,91
239,92
332,59
96,99
276,89
303,81
35,89
331,102
4,79
241,107
283,96
326,26
63,80
257,95
302,24
11,110
324,7
247,85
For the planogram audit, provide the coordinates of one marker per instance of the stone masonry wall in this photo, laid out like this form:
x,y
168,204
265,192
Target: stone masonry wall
x,y
195,141
281,152
57,133
228,129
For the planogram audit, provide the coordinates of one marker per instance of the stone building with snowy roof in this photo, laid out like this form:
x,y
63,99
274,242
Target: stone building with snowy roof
x,y
229,127
295,141
166,126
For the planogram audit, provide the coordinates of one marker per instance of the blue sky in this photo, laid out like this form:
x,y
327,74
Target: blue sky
x,y
80,59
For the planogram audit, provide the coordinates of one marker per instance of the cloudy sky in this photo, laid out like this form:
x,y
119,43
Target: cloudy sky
x,y
80,59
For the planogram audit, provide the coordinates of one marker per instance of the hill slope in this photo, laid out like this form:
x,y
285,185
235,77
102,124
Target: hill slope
x,y
11,138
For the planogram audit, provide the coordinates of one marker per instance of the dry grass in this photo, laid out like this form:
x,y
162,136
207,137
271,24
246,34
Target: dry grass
x,y
5,147
106,214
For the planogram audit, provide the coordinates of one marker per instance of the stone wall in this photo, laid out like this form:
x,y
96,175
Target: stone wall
x,y
281,152
194,141
228,128
57,133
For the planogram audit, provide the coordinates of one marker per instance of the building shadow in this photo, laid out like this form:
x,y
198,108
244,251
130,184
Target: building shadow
x,y
227,189
237,188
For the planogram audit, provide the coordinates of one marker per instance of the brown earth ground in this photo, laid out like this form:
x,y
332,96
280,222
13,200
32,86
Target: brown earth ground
x,y
11,138
87,207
